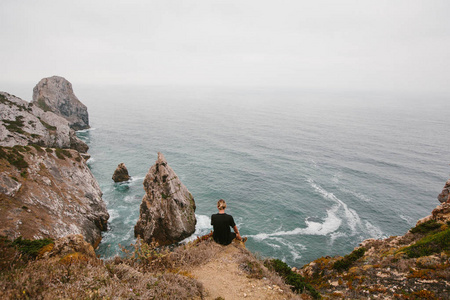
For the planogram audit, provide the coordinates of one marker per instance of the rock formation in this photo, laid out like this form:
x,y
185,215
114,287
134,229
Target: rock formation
x,y
121,173
46,192
444,196
413,266
55,94
22,123
46,188
167,212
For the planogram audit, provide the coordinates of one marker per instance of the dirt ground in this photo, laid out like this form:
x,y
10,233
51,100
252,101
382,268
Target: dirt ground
x,y
222,277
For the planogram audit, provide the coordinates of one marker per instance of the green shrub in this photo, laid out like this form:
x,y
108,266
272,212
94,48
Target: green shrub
x,y
37,147
31,247
48,126
15,126
426,227
432,243
296,281
59,153
345,263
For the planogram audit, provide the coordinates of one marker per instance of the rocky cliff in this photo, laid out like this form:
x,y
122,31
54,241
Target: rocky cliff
x,y
47,192
55,94
413,266
46,188
22,123
167,212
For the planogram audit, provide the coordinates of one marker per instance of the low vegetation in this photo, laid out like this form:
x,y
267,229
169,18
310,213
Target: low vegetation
x,y
426,227
15,126
296,281
346,262
14,157
432,243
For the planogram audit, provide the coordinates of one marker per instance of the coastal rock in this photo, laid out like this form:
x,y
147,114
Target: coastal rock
x,y
22,123
121,173
47,192
444,196
55,94
167,212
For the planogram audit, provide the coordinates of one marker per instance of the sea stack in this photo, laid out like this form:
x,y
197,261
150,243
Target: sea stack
x,y
167,212
55,94
121,173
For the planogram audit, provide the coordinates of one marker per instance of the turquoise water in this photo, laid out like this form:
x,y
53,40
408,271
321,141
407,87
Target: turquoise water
x,y
305,174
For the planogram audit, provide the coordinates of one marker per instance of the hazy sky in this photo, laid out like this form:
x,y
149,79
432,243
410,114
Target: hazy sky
x,y
374,45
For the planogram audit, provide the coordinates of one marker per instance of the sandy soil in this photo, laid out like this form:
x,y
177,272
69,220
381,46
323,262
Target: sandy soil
x,y
222,277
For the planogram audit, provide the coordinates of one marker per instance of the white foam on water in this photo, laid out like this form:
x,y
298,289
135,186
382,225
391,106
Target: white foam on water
x,y
358,195
90,161
352,217
331,223
137,178
85,130
334,236
373,231
202,227
130,199
113,214
408,219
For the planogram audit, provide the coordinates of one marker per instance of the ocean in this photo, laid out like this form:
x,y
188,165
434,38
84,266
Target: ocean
x,y
305,174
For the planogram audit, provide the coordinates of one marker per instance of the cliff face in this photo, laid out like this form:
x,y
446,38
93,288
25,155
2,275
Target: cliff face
x,y
46,188
167,212
22,123
413,266
55,94
48,192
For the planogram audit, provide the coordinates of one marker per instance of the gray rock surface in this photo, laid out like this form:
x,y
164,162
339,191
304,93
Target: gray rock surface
x,y
444,196
22,123
167,211
55,94
53,195
121,173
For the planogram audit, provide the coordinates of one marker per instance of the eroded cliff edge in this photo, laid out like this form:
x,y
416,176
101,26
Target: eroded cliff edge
x,y
46,187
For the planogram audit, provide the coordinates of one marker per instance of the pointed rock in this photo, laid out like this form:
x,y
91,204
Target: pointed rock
x,y
167,212
444,196
55,94
121,173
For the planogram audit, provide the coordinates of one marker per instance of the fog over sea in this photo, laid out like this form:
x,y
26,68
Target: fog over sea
x,y
304,173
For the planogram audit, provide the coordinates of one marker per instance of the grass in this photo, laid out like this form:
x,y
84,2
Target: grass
x,y
433,243
48,126
15,126
14,157
426,227
31,248
296,281
347,261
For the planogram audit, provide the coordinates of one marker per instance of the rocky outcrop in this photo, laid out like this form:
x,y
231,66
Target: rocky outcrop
x,y
55,94
22,123
167,212
413,266
47,192
444,196
121,173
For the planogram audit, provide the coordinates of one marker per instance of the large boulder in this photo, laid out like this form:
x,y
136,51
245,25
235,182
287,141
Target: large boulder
x,y
121,173
22,123
167,212
55,94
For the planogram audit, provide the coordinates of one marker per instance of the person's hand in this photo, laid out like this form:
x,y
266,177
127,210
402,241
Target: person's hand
x,y
238,236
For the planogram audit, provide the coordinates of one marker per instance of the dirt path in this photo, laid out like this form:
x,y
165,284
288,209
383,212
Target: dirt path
x,y
222,277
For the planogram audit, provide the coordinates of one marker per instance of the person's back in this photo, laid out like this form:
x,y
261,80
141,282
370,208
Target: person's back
x,y
221,226
221,223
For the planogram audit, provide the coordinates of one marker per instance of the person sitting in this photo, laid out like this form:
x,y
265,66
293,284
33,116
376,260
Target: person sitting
x,y
221,223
